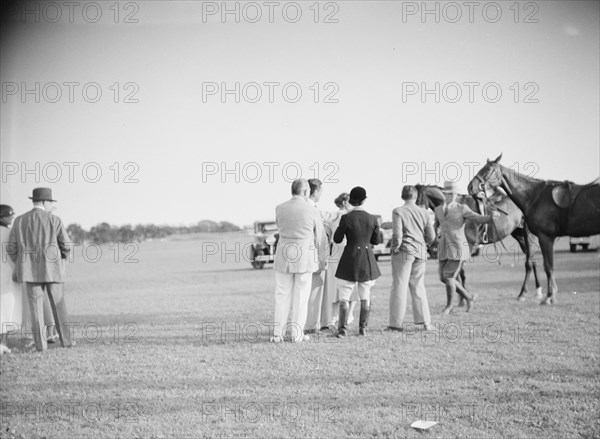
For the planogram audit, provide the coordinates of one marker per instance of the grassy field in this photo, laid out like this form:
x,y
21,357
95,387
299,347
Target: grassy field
x,y
172,341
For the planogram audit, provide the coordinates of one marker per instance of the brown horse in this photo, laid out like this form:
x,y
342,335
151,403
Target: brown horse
x,y
511,223
579,216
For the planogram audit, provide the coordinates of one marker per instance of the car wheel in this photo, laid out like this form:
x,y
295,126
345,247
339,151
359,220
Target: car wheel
x,y
573,248
585,247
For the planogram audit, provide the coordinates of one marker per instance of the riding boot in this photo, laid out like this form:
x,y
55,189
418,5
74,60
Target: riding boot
x,y
365,309
343,319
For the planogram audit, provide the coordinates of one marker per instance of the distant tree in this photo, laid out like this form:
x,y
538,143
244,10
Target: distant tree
x,y
139,233
102,233
207,226
77,233
125,234
225,226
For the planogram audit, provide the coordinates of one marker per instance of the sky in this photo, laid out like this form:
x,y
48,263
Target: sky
x,y
175,112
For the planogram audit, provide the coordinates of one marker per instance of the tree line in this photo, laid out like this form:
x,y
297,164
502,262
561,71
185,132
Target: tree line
x,y
104,232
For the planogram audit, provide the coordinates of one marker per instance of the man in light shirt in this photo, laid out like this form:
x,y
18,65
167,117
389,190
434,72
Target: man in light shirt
x,y
320,301
412,231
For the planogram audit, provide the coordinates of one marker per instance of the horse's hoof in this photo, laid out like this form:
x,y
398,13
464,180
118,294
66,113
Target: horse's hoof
x,y
546,301
521,299
553,300
538,293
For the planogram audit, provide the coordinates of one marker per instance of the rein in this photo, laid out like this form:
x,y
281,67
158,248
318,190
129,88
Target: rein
x,y
493,207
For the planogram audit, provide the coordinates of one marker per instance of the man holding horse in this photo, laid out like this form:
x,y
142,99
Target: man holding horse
x,y
453,248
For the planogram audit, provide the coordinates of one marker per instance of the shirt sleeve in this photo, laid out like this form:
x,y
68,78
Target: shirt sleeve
x,y
375,235
429,231
396,229
340,232
63,240
468,214
329,216
11,247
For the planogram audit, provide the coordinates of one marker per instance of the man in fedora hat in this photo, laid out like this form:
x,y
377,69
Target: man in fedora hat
x,y
453,248
38,245
357,265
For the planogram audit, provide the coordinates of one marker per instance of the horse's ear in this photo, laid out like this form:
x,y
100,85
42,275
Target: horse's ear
x,y
498,158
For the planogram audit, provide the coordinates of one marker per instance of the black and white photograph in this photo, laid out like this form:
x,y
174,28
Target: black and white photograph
x,y
299,219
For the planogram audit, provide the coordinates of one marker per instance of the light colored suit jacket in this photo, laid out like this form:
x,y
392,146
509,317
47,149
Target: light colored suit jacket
x,y
300,232
453,242
327,236
38,244
412,230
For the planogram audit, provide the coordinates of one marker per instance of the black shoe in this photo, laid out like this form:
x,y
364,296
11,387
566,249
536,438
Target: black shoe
x,y
393,329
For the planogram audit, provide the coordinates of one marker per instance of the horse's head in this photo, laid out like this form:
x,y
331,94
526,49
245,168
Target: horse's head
x,y
429,196
488,177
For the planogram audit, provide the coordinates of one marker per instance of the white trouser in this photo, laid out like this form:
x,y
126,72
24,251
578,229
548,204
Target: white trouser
x,y
291,289
345,288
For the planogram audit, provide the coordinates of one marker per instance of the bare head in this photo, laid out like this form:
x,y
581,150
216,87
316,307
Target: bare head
x,y
342,200
409,193
316,189
301,187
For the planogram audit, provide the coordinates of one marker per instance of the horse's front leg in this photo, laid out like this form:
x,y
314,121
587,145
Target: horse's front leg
x,y
547,245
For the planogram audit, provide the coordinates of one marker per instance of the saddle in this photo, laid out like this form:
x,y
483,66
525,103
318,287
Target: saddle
x,y
565,193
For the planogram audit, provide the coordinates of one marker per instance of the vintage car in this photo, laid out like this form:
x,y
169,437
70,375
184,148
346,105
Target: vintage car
x,y
266,236
583,242
385,238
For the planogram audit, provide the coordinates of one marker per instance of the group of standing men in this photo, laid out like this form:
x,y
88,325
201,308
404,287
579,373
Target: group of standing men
x,y
308,240
319,284
34,251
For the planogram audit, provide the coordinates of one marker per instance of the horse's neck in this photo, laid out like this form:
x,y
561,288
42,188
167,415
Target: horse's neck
x,y
521,189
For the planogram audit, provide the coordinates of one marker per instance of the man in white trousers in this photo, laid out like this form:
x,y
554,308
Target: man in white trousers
x,y
319,303
296,259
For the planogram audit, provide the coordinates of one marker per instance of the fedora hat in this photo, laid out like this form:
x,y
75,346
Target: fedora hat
x,y
450,187
42,194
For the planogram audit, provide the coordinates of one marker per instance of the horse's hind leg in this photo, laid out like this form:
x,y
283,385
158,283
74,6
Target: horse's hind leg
x,y
462,278
547,245
538,286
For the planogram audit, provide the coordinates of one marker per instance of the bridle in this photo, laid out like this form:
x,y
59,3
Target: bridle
x,y
495,172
